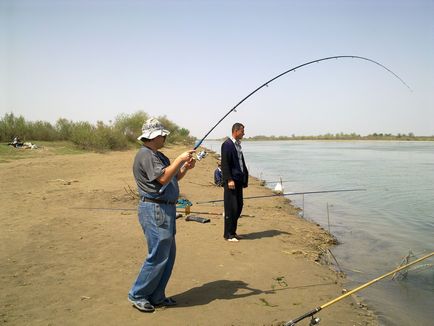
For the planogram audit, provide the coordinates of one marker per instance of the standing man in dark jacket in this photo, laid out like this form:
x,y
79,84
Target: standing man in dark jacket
x,y
235,178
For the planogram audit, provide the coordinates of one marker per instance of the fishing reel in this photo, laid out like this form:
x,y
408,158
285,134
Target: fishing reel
x,y
201,155
314,321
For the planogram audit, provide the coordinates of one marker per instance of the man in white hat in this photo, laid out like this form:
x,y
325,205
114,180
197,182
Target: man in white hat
x,y
157,181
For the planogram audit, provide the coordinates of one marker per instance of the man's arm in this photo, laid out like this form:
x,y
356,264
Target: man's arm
x,y
187,166
173,169
226,162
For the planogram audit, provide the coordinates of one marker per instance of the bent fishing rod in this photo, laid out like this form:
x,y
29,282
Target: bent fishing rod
x,y
316,320
293,69
286,194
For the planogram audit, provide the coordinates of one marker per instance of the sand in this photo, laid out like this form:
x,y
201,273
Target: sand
x,y
65,265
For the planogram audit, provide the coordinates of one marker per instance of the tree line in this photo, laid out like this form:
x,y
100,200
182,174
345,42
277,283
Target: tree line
x,y
117,135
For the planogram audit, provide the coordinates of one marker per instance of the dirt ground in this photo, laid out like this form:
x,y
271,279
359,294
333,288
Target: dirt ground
x,y
63,263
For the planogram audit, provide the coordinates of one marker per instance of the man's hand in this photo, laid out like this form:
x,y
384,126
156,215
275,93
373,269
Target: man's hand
x,y
186,156
231,184
190,164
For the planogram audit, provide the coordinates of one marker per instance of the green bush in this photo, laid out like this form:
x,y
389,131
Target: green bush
x,y
11,126
130,125
99,137
41,130
109,138
64,128
177,135
82,134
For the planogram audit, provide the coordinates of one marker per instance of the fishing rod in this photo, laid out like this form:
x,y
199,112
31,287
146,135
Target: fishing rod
x,y
105,209
316,320
293,69
135,209
287,194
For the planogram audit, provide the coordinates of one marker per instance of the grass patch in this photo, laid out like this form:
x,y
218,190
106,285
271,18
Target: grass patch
x,y
45,148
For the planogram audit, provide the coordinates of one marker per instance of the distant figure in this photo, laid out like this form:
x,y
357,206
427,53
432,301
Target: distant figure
x,y
235,178
218,176
16,142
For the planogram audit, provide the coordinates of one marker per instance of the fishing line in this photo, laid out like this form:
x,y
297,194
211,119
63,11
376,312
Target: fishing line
x,y
282,195
293,69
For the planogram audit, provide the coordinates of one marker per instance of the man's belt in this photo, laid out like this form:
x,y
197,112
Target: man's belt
x,y
158,201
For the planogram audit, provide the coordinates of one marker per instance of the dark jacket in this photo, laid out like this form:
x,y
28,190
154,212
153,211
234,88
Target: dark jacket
x,y
231,165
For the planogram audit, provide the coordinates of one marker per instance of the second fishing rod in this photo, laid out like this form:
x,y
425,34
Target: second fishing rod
x,y
285,194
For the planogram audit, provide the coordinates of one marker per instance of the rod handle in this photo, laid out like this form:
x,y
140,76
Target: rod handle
x,y
307,314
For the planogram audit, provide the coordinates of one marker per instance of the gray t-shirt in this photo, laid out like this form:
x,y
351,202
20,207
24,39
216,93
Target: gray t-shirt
x,y
147,168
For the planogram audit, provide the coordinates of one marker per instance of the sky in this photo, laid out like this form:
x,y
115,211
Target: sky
x,y
193,61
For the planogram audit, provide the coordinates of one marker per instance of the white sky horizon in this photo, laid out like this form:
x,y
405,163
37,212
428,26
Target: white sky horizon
x,y
194,60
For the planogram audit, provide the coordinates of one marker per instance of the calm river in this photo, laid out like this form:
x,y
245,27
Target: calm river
x,y
377,227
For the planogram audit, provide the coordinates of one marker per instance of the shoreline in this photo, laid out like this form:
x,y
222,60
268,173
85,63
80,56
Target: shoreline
x,y
329,243
75,266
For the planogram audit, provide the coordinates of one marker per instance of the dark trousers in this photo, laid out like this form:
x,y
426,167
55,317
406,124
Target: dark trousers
x,y
233,202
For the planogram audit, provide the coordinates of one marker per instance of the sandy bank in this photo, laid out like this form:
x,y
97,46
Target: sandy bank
x,y
69,266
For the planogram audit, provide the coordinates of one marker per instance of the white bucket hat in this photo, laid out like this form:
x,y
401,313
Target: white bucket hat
x,y
152,128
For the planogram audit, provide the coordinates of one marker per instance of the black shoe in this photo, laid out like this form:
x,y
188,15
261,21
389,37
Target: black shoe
x,y
168,302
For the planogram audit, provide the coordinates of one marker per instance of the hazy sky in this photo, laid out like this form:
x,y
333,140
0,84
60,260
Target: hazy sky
x,y
194,60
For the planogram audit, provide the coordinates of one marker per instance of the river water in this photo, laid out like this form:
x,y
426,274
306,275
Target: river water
x,y
376,228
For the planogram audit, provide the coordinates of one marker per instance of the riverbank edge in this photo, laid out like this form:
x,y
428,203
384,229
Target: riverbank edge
x,y
320,257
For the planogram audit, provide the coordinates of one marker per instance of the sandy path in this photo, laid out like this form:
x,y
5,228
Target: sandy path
x,y
66,266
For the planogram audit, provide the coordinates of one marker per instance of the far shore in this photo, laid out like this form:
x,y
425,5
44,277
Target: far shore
x,y
314,138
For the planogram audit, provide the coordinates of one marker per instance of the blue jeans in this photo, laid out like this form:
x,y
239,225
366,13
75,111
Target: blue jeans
x,y
158,223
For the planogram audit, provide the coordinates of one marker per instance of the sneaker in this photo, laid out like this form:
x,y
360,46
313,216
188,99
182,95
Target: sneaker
x,y
233,240
142,305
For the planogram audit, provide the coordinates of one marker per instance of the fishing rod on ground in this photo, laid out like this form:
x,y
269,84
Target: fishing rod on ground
x,y
134,209
316,320
293,69
283,195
